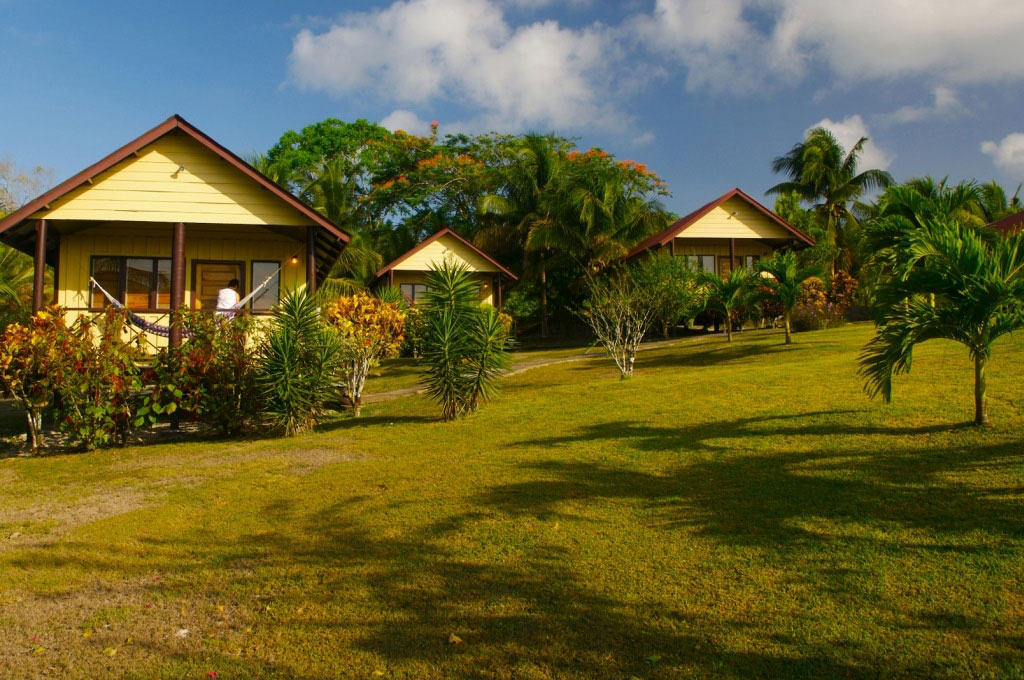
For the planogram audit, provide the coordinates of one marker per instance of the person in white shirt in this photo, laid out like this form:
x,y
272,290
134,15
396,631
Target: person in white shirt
x,y
227,298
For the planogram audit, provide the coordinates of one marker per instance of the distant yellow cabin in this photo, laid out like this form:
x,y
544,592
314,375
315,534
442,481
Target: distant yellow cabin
x,y
165,222
732,231
408,272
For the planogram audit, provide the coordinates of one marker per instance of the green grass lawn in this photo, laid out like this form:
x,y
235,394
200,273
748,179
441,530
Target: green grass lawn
x,y
404,372
731,512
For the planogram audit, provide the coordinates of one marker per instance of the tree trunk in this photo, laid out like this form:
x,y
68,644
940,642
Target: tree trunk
x,y
34,430
789,337
543,299
664,329
980,405
728,328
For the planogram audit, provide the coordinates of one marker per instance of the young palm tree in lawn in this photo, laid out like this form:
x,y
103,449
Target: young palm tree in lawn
x,y
978,288
465,343
785,283
726,295
822,173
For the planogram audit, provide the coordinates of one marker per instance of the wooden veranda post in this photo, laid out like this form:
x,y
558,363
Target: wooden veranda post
x,y
177,283
732,255
497,291
177,296
311,259
40,266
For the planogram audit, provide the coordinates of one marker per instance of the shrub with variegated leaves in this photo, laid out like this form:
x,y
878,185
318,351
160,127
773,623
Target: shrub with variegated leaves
x,y
370,330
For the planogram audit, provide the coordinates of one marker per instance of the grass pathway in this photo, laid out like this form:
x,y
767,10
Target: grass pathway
x,y
518,367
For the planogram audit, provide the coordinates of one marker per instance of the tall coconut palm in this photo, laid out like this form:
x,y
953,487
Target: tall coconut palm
x,y
784,283
824,174
726,295
603,215
978,292
527,199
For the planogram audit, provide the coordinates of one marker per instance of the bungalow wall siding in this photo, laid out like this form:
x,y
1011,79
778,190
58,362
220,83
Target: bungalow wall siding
x,y
483,278
435,253
202,242
747,223
720,247
150,188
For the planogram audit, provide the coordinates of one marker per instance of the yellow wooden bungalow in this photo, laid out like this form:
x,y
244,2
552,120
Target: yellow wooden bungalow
x,y
409,271
731,231
166,221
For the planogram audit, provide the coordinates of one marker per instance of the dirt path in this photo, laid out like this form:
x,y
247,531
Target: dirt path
x,y
523,366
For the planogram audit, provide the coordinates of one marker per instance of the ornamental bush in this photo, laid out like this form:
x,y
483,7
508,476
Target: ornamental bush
x,y
211,377
85,372
813,311
370,329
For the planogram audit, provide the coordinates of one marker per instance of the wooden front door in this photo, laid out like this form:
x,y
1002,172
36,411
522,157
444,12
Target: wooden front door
x,y
724,266
209,277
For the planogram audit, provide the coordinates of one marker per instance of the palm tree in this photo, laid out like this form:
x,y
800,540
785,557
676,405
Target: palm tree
x,y
526,200
726,295
822,173
603,216
785,283
994,203
16,274
978,288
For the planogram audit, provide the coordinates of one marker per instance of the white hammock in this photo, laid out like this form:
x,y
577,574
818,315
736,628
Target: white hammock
x,y
165,331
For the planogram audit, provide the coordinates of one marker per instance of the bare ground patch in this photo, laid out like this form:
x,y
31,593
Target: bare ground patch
x,y
109,630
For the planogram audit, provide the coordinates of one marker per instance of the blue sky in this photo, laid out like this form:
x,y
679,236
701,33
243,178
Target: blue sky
x,y
705,92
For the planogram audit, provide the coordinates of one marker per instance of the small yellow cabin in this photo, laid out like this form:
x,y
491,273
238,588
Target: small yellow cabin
x,y
409,271
164,223
732,231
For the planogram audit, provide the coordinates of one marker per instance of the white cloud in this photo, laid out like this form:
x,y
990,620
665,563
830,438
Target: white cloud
x,y
400,119
417,51
741,44
1007,154
946,103
848,132
643,139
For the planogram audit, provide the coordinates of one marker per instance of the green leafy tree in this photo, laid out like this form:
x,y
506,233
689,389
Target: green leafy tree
x,y
784,283
822,173
950,283
675,289
725,296
620,311
465,344
300,363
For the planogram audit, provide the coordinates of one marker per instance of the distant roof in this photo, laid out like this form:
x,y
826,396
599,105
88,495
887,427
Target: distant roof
x,y
430,239
176,122
682,224
1011,224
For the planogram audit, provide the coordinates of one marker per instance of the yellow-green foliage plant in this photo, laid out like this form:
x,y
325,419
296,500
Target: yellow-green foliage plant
x,y
370,329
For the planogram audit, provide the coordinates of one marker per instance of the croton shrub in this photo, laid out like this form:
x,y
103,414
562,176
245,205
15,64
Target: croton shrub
x,y
370,330
85,373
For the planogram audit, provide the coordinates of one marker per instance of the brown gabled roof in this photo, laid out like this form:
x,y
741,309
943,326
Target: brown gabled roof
x,y
176,123
684,223
1011,224
430,239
